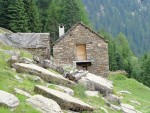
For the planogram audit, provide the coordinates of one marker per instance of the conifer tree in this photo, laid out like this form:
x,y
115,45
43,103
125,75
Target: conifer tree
x,y
4,19
66,12
18,21
70,13
43,6
33,15
53,19
145,78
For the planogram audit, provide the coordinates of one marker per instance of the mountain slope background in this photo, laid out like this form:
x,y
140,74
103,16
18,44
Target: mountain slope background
x,y
130,17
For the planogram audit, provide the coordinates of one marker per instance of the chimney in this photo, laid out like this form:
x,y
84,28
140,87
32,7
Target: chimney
x,y
61,30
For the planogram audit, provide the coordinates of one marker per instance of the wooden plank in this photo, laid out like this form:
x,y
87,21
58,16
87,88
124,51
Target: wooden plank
x,y
81,51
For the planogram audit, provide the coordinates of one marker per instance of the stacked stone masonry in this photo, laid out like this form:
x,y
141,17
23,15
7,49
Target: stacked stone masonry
x,y
64,50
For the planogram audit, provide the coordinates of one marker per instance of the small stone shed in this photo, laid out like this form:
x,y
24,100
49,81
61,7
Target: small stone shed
x,y
83,48
36,43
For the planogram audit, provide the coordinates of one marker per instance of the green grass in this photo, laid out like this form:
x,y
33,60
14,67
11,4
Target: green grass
x,y
96,102
8,81
139,92
23,53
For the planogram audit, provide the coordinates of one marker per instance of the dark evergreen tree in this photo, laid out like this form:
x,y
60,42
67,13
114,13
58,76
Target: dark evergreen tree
x,y
66,12
4,18
43,6
18,20
53,20
145,70
124,52
33,15
70,13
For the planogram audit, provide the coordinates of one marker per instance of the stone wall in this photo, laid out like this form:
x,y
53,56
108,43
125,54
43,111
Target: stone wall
x,y
36,43
43,53
96,49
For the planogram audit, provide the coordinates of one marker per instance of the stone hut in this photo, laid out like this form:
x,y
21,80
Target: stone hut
x,y
36,43
82,48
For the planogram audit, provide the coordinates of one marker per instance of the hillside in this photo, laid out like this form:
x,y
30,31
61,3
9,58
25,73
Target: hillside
x,y
128,16
10,79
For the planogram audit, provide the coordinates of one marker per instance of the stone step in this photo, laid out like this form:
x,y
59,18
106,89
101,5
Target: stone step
x,y
64,100
46,75
43,104
8,100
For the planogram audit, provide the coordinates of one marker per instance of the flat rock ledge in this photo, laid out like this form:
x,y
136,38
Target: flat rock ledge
x,y
19,91
43,104
96,83
8,100
92,93
62,89
126,108
46,75
64,100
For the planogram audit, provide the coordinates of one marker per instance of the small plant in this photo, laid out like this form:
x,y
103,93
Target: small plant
x,y
79,91
25,54
118,77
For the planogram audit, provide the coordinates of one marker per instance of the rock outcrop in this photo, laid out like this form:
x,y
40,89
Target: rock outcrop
x,y
13,59
42,73
96,83
126,108
44,104
92,93
113,99
64,100
75,76
8,100
19,91
63,89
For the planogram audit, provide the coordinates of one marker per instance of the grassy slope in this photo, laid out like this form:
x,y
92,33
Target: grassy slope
x,y
139,92
8,81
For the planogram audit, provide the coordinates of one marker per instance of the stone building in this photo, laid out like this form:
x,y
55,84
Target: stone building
x,y
83,48
36,43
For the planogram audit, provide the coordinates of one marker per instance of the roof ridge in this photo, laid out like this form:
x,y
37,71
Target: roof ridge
x,y
61,37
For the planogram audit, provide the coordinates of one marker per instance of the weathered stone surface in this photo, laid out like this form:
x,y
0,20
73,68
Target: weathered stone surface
x,y
63,89
36,59
42,73
8,100
26,60
22,92
48,64
64,100
11,52
113,99
13,59
125,92
96,83
113,107
68,111
18,78
64,49
34,78
75,76
36,43
135,102
92,93
126,108
44,104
